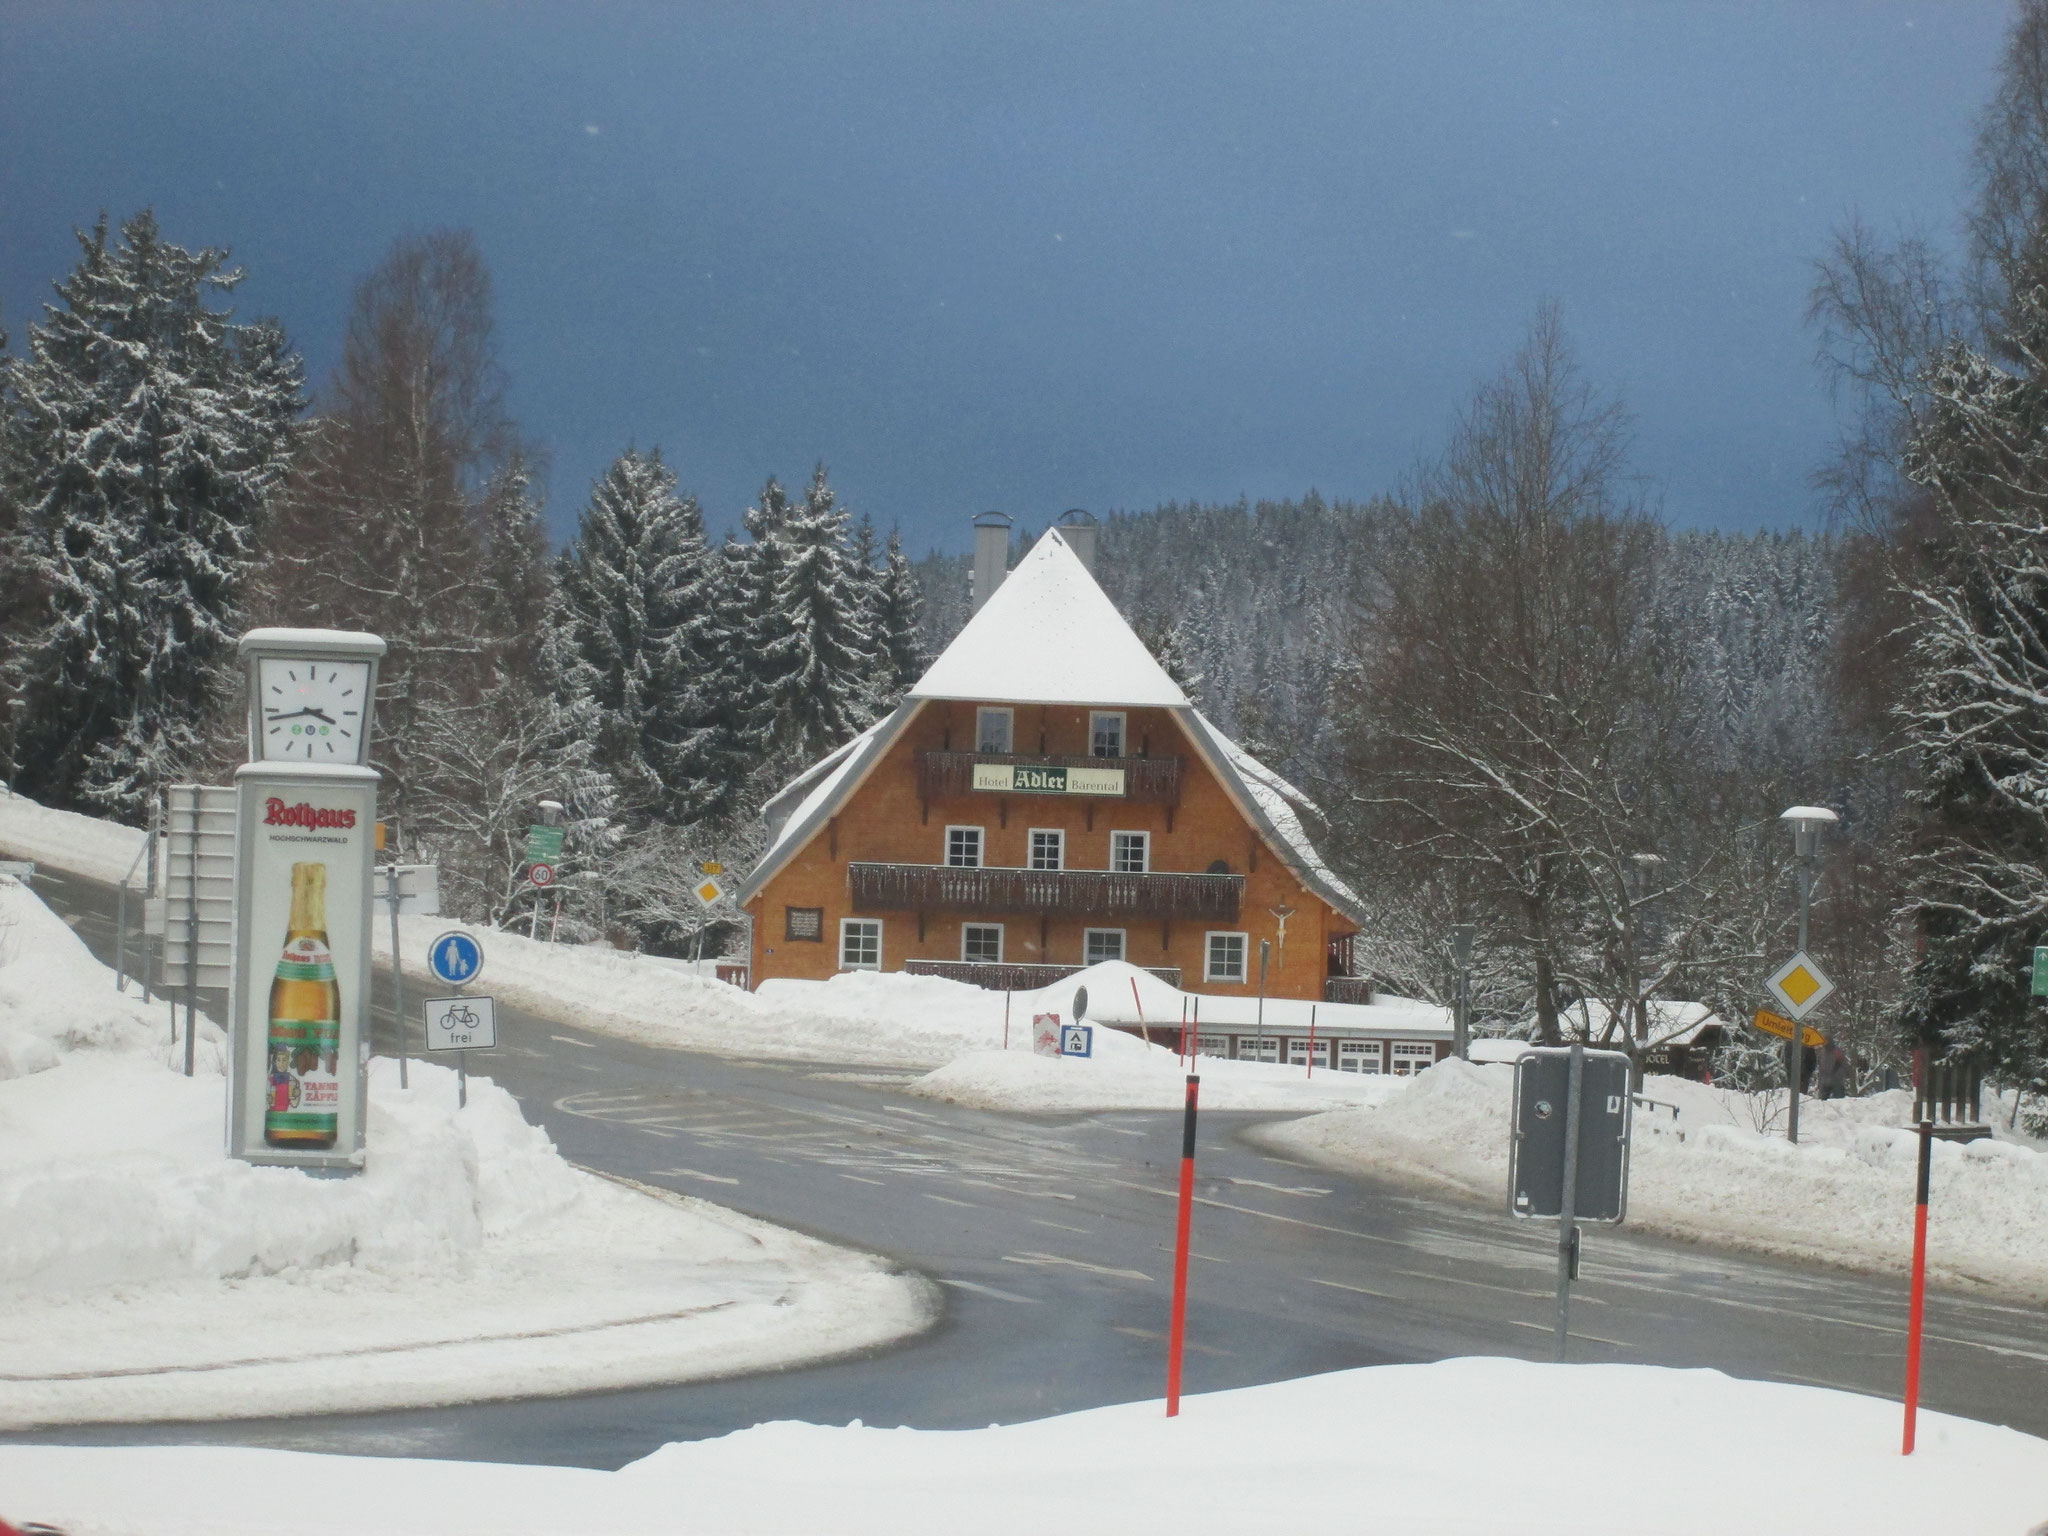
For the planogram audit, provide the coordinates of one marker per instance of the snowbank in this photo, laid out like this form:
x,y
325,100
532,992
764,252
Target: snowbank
x,y
1128,1074
145,1275
1844,1195
84,845
1468,1447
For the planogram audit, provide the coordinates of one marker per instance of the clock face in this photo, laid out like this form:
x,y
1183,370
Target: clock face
x,y
310,710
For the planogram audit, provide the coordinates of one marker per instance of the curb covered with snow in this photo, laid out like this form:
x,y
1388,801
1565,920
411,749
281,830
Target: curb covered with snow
x,y
1843,1196
1471,1447
146,1275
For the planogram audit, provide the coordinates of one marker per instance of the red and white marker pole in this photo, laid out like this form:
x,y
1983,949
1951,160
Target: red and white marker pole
x,y
1177,1329
1311,1042
1919,1303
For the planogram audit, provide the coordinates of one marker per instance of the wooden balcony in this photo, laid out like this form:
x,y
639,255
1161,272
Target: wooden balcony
x,y
1078,893
1001,976
1347,989
950,775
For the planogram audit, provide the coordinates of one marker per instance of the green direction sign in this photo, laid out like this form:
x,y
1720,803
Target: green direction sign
x,y
2041,971
543,845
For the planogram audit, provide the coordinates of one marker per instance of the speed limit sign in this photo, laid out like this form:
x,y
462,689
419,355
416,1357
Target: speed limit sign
x,y
541,874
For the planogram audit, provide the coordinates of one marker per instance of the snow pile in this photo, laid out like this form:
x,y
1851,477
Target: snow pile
x,y
84,845
147,1275
1467,1447
1722,1171
1128,1074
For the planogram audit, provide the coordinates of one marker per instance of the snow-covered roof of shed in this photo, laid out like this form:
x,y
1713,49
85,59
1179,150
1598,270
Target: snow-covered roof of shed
x,y
1050,635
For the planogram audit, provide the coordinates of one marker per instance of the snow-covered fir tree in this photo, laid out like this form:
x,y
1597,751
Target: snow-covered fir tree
x,y
627,588
146,429
819,655
899,624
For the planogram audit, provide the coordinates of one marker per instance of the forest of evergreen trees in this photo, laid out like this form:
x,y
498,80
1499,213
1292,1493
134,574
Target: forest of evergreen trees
x,y
1523,702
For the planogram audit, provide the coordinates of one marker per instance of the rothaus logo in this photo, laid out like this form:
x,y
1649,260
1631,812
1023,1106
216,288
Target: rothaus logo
x,y
277,814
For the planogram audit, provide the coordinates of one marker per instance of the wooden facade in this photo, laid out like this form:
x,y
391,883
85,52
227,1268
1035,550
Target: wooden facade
x,y
882,856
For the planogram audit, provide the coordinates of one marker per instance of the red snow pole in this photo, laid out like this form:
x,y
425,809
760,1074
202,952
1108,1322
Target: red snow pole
x,y
1919,1302
1178,1328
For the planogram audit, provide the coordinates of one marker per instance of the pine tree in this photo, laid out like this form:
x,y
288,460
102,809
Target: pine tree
x,y
148,429
820,663
899,625
625,585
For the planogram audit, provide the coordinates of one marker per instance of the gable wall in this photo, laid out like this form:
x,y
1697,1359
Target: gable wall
x,y
884,821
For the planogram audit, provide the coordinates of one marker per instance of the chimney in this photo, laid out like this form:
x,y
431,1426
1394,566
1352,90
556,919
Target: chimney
x,y
991,555
1079,528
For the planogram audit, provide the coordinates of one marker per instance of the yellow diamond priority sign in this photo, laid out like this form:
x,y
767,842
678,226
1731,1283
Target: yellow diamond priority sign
x,y
1800,985
709,890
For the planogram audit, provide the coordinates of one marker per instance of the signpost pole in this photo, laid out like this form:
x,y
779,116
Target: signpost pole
x,y
1917,1307
192,933
150,952
1567,1215
1461,1020
1795,1045
1265,950
397,978
1006,1018
1177,1329
462,1079
1311,1042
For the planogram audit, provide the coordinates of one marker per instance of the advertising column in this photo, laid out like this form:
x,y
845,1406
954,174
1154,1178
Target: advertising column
x,y
301,1007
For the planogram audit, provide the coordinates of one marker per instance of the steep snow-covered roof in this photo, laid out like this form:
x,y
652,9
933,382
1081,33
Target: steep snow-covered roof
x,y
1050,635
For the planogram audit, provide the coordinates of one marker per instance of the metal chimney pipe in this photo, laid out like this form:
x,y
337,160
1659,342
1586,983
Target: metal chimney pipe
x,y
991,555
1078,528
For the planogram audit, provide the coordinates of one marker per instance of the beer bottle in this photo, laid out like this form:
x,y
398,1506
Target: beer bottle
x,y
304,1102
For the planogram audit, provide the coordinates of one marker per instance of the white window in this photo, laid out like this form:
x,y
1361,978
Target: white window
x,y
1411,1056
1225,957
981,941
992,730
1106,734
1048,848
1130,853
1252,1048
1361,1056
1213,1045
1298,1052
860,944
1100,944
963,847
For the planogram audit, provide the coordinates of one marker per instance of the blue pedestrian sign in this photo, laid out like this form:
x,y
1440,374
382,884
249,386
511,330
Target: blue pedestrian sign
x,y
1077,1040
455,958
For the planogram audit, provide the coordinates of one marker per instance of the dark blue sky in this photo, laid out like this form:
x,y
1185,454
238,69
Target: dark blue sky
x,y
1032,257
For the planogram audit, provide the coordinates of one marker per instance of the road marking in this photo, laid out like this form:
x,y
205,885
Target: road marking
x,y
898,1109
1163,1248
648,1130
1153,1335
1360,1289
859,1180
692,1173
1484,1285
1281,1189
1552,1328
949,1200
1122,1132
990,1290
1093,1269
1037,1221
572,1040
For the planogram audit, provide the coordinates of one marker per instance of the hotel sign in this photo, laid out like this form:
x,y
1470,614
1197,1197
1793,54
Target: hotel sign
x,y
1039,779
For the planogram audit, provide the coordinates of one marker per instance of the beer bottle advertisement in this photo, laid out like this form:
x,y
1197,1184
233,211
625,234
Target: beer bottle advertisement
x,y
302,968
305,1024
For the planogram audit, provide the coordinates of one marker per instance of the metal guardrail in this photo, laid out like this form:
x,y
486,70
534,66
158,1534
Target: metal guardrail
x,y
1147,780
1048,892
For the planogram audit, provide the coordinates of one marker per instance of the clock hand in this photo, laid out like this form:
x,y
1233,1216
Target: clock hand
x,y
321,715
292,716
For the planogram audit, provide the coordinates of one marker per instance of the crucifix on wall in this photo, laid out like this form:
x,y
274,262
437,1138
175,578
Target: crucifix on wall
x,y
1283,912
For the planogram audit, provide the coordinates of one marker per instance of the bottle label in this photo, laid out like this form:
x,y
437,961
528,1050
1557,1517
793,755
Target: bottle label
x,y
304,1102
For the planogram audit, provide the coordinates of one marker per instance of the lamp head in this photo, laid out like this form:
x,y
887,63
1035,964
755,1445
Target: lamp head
x,y
1806,822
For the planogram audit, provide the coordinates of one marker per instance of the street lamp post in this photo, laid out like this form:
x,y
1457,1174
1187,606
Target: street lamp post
x,y
1461,1019
1806,822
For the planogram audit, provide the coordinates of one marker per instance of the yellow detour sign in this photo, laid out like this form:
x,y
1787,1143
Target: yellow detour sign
x,y
711,867
1772,1024
1800,985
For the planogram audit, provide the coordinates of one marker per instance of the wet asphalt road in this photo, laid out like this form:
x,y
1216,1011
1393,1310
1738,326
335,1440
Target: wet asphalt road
x,y
1049,1238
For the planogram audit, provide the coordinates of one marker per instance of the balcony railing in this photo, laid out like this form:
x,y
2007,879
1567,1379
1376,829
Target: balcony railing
x,y
1347,989
1097,893
1001,976
950,775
